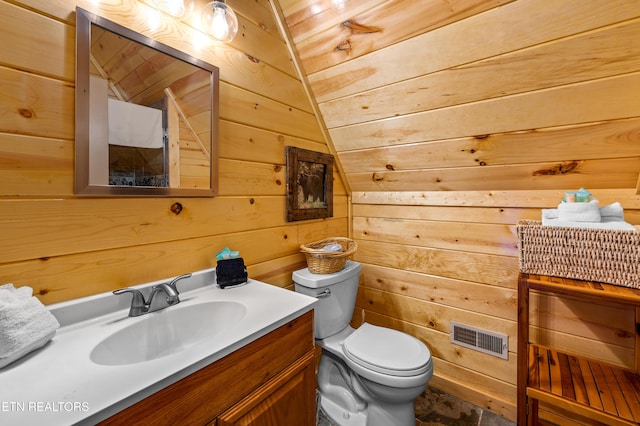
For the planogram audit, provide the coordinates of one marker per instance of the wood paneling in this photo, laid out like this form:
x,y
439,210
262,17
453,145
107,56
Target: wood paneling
x,y
603,174
591,56
372,26
472,237
454,120
48,48
32,165
598,140
517,25
469,266
512,113
497,199
242,106
66,246
36,105
75,226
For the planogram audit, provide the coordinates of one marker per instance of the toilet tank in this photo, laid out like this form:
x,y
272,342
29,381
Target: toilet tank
x,y
336,294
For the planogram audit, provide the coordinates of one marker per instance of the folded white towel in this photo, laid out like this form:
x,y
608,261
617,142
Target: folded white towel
x,y
605,224
579,212
609,213
25,324
613,210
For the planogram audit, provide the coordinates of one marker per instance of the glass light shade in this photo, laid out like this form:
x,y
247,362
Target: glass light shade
x,y
177,8
220,21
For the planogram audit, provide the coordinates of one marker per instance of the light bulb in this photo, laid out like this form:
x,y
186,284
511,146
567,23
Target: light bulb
x,y
219,26
220,21
177,8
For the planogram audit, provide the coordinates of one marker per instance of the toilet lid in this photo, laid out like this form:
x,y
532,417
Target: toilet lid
x,y
387,351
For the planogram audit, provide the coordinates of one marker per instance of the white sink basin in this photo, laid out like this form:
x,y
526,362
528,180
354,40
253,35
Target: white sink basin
x,y
166,332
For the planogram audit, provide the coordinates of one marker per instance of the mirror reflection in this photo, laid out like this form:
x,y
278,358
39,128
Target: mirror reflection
x,y
146,115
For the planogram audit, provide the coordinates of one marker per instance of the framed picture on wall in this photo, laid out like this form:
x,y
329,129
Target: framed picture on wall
x,y
309,184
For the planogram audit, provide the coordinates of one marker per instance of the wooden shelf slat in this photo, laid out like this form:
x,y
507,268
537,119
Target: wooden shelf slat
x,y
534,367
545,373
590,385
618,393
605,391
579,387
630,392
566,378
555,373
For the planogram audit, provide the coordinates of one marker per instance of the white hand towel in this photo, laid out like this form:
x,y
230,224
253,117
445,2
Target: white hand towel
x,y
612,211
550,214
605,224
579,212
134,125
25,324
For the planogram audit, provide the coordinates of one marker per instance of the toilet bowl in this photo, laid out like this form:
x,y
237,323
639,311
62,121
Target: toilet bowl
x,y
369,376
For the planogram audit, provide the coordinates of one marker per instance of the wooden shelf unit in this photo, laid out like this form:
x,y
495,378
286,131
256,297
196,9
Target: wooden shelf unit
x,y
599,391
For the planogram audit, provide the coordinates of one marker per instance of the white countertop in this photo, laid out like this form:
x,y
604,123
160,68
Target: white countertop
x,y
60,385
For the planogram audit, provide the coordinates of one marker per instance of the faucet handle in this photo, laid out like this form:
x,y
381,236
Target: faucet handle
x,y
137,301
174,281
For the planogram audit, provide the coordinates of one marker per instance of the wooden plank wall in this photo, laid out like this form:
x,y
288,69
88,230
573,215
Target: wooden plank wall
x,y
454,120
67,247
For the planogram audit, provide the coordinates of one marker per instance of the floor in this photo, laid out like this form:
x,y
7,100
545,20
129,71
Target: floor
x,y
324,420
435,408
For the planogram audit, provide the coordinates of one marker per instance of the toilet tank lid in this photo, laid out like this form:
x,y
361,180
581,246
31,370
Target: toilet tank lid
x,y
307,279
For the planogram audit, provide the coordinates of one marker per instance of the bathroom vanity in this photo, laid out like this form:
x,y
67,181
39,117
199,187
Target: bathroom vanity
x,y
271,381
237,356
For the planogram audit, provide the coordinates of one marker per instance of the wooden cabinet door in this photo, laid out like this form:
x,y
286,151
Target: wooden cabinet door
x,y
288,399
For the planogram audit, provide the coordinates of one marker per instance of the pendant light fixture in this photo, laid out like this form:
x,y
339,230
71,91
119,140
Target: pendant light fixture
x,y
179,9
220,21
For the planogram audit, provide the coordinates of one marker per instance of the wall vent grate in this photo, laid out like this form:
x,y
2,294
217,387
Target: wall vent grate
x,y
488,342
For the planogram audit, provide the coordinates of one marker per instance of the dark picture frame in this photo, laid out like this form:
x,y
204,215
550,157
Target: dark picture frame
x,y
309,184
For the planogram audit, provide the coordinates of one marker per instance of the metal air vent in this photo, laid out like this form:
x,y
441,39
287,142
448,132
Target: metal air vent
x,y
488,342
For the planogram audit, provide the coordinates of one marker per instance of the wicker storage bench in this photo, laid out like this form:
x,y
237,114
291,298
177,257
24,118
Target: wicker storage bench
x,y
601,255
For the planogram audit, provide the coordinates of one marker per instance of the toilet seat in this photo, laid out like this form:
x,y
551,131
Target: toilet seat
x,y
387,351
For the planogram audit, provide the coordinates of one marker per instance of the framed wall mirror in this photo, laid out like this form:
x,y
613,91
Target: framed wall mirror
x,y
146,115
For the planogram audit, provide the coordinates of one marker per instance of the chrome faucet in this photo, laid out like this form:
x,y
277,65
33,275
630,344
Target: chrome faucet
x,y
173,283
139,306
170,292
138,303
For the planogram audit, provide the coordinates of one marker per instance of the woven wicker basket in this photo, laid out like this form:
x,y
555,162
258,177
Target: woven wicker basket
x,y
328,262
601,255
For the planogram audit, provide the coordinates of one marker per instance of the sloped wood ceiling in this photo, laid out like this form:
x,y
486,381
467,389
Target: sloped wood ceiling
x,y
477,94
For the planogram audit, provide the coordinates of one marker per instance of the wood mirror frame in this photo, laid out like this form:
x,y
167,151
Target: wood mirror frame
x,y
195,88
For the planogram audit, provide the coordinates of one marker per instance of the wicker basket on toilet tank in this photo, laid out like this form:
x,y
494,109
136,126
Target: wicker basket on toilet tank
x,y
321,261
601,255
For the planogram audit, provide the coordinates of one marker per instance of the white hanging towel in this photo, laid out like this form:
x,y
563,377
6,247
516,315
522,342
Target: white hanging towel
x,y
134,125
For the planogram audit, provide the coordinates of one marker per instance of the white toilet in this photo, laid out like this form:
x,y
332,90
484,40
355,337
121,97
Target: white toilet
x,y
367,376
